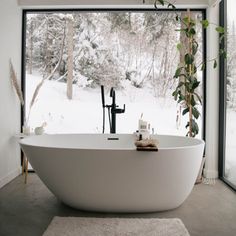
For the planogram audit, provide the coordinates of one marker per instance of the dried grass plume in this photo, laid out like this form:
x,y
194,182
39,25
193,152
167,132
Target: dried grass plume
x,y
35,94
36,91
15,84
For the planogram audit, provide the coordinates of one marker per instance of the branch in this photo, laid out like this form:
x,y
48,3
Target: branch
x,y
38,87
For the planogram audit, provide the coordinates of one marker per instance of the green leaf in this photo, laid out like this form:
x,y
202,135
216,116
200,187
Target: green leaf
x,y
198,97
193,102
192,31
181,98
205,23
177,72
220,29
192,22
186,126
194,47
161,2
189,58
195,112
195,84
203,67
181,30
175,94
186,110
186,20
179,46
223,53
215,64
195,128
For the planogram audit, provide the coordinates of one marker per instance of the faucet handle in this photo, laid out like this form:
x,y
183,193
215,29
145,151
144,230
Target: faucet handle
x,y
123,110
120,110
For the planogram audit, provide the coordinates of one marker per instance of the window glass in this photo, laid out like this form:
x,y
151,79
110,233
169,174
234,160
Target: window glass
x,y
230,146
69,55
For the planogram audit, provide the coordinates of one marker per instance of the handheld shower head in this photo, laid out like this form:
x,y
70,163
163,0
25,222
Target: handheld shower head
x,y
112,91
103,97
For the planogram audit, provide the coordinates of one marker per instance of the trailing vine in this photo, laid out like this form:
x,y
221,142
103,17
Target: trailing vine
x,y
186,91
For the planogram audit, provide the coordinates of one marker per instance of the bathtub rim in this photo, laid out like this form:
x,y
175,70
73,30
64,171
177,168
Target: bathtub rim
x,y
23,142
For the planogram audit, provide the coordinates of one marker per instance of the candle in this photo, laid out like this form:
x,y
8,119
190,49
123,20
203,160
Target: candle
x,y
142,125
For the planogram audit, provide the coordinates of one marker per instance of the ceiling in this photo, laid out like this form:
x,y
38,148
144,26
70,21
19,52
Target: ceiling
x,y
109,2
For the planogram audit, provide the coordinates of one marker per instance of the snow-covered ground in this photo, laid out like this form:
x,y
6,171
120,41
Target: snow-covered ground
x,y
230,151
83,114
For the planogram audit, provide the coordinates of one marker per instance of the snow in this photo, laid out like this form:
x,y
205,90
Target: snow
x,y
230,145
230,151
83,114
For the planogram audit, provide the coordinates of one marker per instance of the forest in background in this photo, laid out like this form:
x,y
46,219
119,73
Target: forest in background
x,y
106,48
231,65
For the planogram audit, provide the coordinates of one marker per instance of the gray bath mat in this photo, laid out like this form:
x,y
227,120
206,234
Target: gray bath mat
x,y
83,226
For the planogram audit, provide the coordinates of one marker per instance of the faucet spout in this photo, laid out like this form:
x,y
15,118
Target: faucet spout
x,y
113,109
120,110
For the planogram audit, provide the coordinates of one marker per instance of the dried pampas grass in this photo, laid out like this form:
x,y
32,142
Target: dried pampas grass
x,y
36,91
35,94
15,84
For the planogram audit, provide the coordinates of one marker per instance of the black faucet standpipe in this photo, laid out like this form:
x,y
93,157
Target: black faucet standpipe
x,y
112,110
103,97
103,108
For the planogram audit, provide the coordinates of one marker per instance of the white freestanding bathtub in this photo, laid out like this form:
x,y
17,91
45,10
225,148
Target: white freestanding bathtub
x,y
104,172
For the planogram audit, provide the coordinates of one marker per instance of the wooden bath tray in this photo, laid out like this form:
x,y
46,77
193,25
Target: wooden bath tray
x,y
152,149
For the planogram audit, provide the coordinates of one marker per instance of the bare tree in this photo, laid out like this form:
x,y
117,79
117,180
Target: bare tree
x,y
40,84
48,44
31,29
70,62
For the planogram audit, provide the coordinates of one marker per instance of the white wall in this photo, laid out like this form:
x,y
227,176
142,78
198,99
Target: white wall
x,y
10,47
212,106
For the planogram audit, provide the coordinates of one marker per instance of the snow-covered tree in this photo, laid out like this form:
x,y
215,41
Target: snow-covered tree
x,y
70,47
231,66
104,48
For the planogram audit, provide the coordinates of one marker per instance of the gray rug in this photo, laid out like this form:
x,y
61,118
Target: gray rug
x,y
78,226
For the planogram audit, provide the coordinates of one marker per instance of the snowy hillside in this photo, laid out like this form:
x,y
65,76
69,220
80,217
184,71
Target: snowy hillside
x,y
83,114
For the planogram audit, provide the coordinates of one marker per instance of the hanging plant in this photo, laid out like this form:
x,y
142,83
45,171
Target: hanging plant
x,y
186,91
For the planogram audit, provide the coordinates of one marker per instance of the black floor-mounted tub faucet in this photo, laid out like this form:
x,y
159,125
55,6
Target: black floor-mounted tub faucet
x,y
113,109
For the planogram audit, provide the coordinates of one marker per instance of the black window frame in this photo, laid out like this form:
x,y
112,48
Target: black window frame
x,y
222,100
23,46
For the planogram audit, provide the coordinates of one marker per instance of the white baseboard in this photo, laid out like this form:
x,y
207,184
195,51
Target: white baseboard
x,y
210,174
12,175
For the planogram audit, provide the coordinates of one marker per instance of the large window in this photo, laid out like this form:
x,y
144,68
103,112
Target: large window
x,y
228,97
68,55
